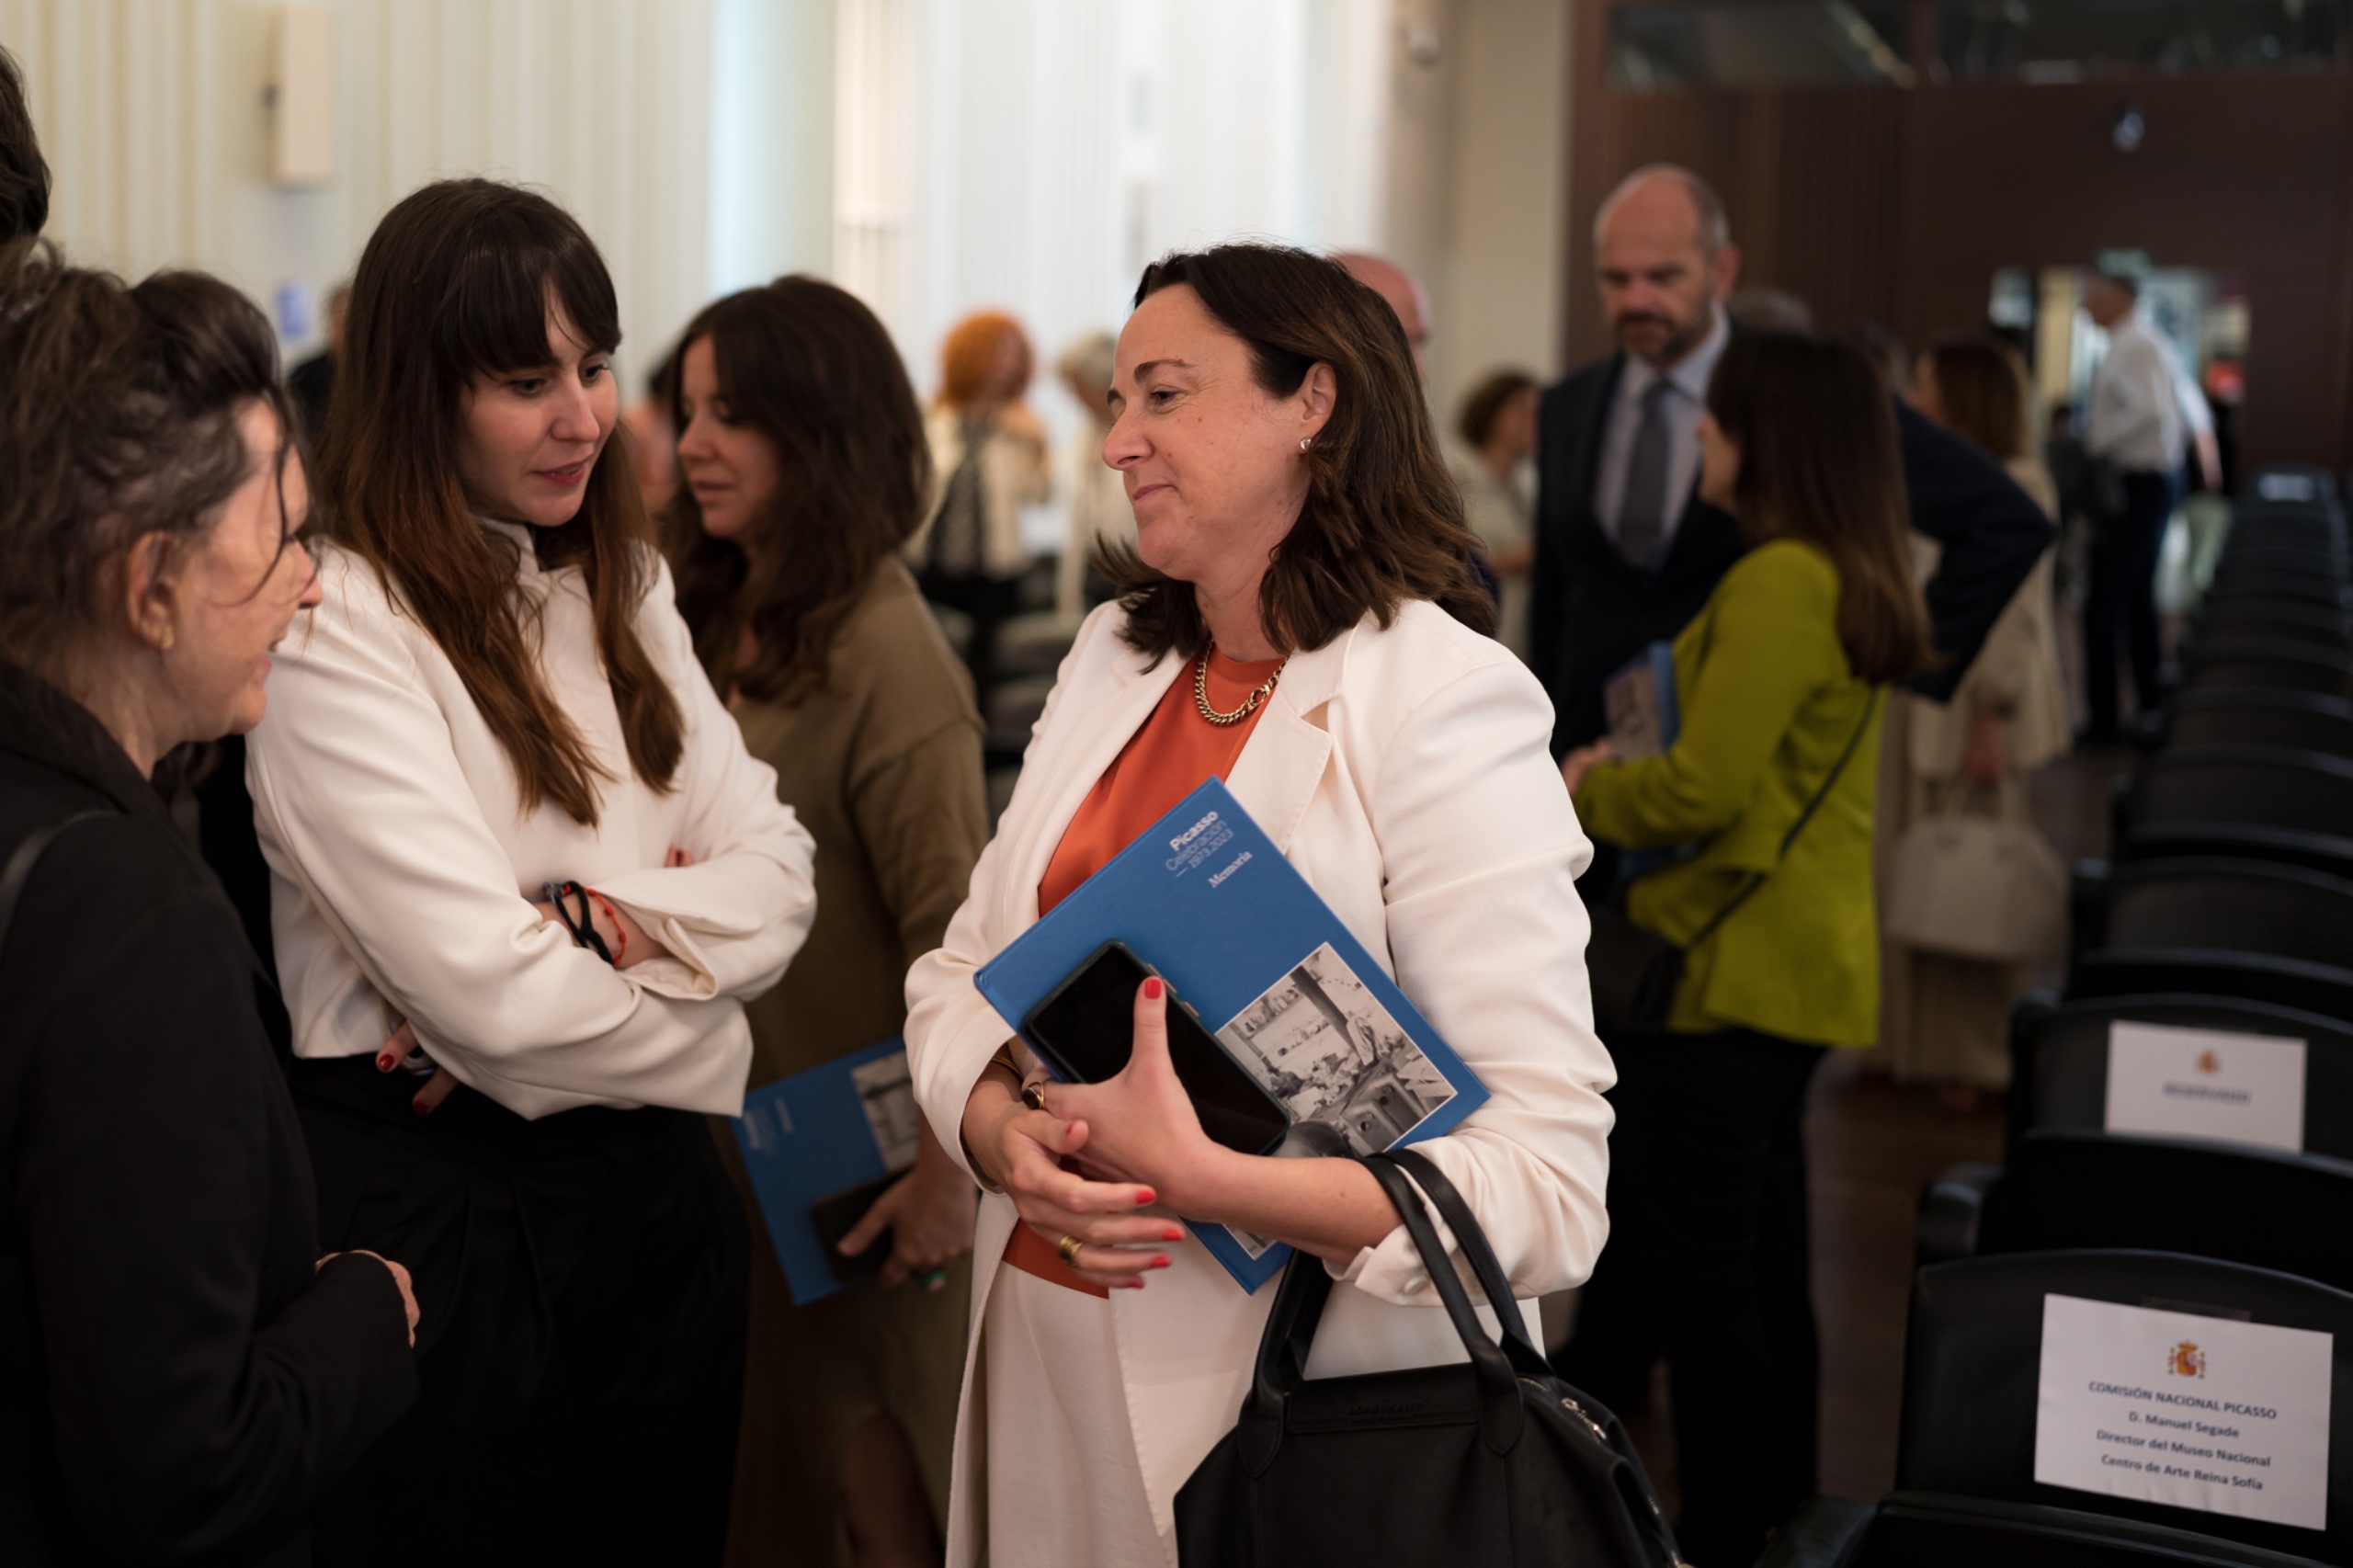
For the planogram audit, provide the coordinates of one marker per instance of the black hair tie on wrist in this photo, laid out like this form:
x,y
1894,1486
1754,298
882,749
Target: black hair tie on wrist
x,y
583,928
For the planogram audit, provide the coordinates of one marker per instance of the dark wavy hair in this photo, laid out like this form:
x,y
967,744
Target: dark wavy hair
x,y
457,281
1821,462
24,177
810,368
118,420
1383,522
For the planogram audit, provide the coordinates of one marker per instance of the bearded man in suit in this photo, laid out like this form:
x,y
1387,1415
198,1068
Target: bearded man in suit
x,y
1626,552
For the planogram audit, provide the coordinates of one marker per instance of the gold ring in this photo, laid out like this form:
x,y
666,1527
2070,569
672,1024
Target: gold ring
x,y
1034,1095
1067,1249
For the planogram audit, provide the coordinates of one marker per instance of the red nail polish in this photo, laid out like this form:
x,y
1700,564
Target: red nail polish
x,y
420,1108
386,1063
1160,1262
1152,988
1172,1236
1144,1199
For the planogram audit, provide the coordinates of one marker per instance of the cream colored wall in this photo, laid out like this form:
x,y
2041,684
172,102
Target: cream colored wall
x,y
152,114
1477,161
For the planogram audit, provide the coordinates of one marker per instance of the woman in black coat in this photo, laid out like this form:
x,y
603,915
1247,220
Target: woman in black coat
x,y
180,1374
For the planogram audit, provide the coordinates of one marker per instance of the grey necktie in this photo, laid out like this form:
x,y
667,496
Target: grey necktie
x,y
1641,514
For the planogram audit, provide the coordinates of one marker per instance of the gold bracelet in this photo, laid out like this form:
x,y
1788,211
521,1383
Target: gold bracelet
x,y
1004,1058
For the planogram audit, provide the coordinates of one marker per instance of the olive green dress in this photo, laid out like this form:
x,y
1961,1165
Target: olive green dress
x,y
884,768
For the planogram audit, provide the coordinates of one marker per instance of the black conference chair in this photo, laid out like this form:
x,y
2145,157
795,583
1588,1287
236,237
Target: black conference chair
x,y
2256,616
2067,1182
2267,662
1965,1488
1930,1530
2267,802
2255,930
2297,721
2272,554
2304,484
2062,1189
2058,1058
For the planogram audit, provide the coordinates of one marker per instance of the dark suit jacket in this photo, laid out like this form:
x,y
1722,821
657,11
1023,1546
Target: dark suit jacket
x,y
1590,612
178,1381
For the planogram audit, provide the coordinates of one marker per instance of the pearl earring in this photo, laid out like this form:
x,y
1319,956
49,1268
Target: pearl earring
x,y
1304,441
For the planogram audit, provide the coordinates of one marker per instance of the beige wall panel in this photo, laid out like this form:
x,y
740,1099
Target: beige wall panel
x,y
152,115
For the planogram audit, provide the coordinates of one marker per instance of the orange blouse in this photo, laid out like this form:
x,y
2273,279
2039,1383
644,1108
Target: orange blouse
x,y
1170,757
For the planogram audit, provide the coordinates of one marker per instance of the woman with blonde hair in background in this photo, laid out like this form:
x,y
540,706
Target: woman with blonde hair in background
x,y
988,457
1301,618
803,453
1945,1019
525,877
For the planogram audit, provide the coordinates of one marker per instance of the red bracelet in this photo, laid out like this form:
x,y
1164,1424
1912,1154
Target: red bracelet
x,y
620,936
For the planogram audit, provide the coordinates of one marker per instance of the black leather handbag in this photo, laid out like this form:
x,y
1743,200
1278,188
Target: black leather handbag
x,y
1495,1463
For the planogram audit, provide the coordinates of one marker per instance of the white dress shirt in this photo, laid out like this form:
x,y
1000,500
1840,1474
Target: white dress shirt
x,y
2135,420
403,869
1689,377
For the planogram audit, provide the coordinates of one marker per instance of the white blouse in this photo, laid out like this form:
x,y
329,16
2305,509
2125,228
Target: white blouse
x,y
403,869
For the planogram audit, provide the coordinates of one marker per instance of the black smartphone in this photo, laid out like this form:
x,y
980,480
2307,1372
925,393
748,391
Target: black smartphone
x,y
837,1215
1085,1028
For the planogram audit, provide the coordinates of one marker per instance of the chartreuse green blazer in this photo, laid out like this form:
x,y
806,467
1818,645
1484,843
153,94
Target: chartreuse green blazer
x,y
1767,702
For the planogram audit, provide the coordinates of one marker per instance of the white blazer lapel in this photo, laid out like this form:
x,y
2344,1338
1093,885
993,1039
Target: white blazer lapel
x,y
1098,736
1276,774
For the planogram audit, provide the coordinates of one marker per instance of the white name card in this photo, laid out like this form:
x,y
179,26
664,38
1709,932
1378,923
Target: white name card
x,y
2211,1083
2189,1411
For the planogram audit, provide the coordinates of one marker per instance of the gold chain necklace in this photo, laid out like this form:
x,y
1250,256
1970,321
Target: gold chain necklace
x,y
1249,703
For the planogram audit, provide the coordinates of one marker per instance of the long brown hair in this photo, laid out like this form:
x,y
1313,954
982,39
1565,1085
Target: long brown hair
x,y
809,367
1981,394
1383,522
1820,461
458,280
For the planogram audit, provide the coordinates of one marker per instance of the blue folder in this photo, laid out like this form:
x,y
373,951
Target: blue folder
x,y
1206,899
819,1132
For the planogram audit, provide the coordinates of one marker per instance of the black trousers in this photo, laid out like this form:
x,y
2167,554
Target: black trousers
x,y
1707,1265
2122,597
581,1280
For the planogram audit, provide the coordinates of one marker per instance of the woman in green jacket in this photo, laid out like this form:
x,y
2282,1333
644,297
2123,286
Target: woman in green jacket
x,y
1763,805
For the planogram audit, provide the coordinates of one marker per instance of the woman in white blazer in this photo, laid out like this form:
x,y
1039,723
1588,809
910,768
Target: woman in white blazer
x,y
515,840
1303,579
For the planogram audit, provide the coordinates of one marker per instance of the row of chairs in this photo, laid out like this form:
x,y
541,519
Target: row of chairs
x,y
2227,907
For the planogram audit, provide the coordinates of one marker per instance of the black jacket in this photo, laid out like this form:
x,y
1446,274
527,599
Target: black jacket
x,y
178,1381
1590,612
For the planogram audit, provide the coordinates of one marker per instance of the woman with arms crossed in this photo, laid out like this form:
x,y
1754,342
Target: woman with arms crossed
x,y
517,842
802,454
1303,621
181,1374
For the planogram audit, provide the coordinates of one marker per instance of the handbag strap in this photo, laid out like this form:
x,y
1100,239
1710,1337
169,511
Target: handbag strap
x,y
1298,1307
1499,1383
1471,1238
1829,782
27,855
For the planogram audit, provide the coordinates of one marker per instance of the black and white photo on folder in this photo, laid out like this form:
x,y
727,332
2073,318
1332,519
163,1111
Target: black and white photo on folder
x,y
1205,898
